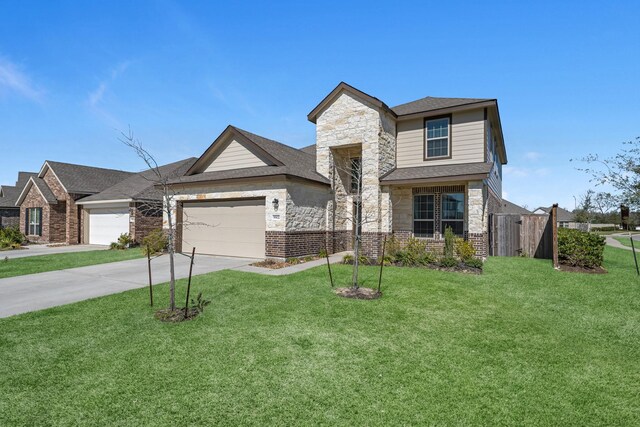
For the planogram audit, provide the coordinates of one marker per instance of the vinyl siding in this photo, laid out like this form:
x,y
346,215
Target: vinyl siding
x,y
467,140
234,156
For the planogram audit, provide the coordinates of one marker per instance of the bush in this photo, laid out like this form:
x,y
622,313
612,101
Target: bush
x,y
464,249
322,253
609,228
155,242
474,262
11,237
348,259
293,261
448,262
124,241
449,242
580,249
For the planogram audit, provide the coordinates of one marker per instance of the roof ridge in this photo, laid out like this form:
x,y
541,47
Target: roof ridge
x,y
85,166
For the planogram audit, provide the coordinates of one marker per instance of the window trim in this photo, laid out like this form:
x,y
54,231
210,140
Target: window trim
x,y
37,225
425,140
413,217
351,180
443,219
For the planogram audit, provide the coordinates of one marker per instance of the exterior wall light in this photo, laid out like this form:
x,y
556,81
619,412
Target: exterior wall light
x,y
275,203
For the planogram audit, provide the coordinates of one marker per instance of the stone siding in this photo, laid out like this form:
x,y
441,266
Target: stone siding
x,y
306,207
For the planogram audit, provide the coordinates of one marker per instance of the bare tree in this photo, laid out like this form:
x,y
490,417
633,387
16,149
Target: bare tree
x,y
161,182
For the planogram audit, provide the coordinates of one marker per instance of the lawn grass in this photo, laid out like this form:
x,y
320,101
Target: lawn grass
x,y
625,241
520,345
42,263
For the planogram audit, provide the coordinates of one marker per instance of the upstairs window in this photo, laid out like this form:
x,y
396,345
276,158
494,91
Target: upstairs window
x,y
453,212
437,140
423,215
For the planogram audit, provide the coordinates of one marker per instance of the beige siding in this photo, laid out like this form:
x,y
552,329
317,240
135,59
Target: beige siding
x,y
467,140
234,156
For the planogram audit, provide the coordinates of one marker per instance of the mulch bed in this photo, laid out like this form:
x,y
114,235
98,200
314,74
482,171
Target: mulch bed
x,y
461,268
360,293
177,315
274,264
576,269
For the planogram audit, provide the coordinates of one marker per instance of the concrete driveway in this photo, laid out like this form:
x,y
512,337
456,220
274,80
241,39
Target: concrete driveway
x,y
43,290
34,250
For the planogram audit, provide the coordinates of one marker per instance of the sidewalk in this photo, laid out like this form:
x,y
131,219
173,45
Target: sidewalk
x,y
333,259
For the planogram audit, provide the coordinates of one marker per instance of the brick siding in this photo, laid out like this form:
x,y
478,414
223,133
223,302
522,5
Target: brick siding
x,y
147,217
9,217
285,244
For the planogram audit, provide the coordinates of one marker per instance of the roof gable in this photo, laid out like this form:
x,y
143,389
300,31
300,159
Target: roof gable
x,y
341,88
41,187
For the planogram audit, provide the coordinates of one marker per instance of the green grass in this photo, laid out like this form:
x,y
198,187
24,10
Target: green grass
x,y
42,263
520,345
625,241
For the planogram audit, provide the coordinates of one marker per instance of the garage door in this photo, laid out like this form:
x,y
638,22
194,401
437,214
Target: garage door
x,y
106,225
229,228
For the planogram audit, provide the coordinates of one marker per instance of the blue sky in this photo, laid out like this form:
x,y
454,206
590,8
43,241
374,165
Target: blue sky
x,y
566,76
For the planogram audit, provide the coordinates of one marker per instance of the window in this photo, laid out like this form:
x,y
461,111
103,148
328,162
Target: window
x,y
34,221
356,175
423,215
437,138
453,212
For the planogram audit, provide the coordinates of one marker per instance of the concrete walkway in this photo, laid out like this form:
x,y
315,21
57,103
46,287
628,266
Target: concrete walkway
x,y
34,250
333,259
33,292
615,244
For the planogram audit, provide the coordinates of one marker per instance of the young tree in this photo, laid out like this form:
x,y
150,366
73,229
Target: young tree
x,y
621,171
161,182
584,213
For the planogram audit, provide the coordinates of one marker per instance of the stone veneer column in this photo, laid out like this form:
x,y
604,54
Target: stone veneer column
x,y
477,217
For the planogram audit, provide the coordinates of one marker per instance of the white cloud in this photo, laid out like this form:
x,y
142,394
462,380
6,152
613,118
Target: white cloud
x,y
525,172
14,80
95,96
532,155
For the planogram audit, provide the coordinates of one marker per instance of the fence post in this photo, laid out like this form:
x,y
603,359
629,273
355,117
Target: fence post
x,y
554,228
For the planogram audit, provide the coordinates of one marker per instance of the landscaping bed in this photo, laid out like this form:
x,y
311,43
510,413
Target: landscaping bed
x,y
274,264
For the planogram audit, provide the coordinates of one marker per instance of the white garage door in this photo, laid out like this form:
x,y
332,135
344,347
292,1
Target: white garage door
x,y
229,228
106,225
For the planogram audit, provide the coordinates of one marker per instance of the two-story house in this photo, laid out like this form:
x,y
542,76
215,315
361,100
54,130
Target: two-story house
x,y
426,165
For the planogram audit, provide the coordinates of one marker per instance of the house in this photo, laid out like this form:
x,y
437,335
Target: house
x,y
511,208
9,212
48,209
426,165
566,219
133,206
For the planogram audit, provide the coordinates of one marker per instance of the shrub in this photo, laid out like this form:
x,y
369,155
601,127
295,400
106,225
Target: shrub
x,y
607,228
474,262
580,249
124,241
293,261
448,262
464,249
199,303
155,242
11,237
449,242
322,253
348,259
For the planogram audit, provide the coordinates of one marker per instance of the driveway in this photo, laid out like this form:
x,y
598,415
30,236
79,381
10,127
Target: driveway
x,y
43,290
33,250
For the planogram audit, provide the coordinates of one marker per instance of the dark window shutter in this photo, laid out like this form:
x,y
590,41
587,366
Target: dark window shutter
x,y
39,221
26,221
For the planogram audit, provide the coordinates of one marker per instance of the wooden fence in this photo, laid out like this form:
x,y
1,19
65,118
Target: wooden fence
x,y
521,235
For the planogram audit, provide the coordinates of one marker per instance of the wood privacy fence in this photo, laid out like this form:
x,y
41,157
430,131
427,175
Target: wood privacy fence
x,y
521,235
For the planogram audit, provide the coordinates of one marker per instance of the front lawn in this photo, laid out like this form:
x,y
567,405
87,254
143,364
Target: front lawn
x,y
521,344
625,241
42,263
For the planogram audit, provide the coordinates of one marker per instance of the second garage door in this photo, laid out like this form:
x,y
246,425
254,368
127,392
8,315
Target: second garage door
x,y
106,225
229,227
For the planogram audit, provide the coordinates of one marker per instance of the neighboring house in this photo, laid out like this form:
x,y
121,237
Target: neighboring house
x,y
428,164
48,209
9,212
132,206
511,208
566,219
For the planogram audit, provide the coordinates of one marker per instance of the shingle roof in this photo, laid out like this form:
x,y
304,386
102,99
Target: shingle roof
x,y
11,193
512,208
440,171
311,149
432,103
563,214
294,162
45,190
141,185
86,179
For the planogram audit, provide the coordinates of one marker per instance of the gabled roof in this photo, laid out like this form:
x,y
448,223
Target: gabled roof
x,y
140,186
511,208
563,214
431,103
462,171
80,179
310,149
10,193
344,87
287,161
42,188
